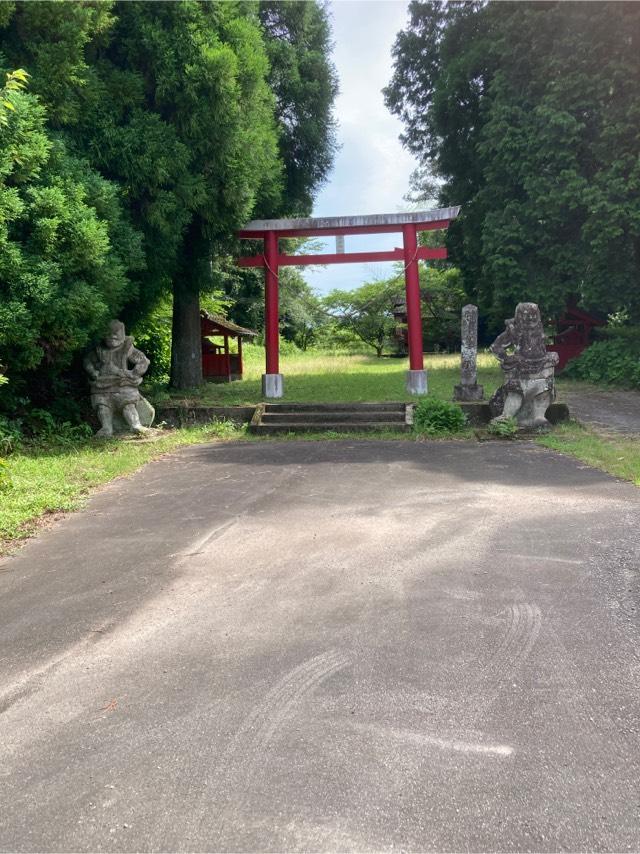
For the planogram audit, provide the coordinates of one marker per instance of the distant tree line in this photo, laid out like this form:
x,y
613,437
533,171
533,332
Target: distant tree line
x,y
135,138
528,115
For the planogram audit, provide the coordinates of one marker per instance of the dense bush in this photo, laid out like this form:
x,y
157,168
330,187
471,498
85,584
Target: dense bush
x,y
615,361
152,335
65,252
435,417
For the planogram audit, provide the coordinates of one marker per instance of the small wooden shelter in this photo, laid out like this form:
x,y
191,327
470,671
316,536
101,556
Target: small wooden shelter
x,y
218,363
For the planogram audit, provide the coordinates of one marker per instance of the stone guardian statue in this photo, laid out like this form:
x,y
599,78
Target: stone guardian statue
x,y
529,387
115,371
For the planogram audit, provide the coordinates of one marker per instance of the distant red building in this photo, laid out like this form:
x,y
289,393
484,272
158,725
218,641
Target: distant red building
x,y
218,363
573,335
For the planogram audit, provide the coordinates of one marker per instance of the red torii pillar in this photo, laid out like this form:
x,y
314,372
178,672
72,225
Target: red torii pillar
x,y
272,380
416,376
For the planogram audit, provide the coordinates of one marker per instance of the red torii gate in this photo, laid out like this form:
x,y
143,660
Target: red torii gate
x,y
408,224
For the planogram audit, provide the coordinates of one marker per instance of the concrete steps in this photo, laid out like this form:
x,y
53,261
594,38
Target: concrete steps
x,y
275,418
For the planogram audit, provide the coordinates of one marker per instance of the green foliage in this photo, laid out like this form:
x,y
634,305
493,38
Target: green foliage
x,y
41,426
16,81
152,335
10,435
65,252
222,428
366,312
527,113
152,131
298,43
301,310
612,362
435,417
442,300
53,41
504,428
334,337
5,476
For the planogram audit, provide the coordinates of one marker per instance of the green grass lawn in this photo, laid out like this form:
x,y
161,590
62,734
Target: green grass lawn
x,y
316,377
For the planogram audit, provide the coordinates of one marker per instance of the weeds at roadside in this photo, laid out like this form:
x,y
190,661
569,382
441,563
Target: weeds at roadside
x,y
618,455
506,428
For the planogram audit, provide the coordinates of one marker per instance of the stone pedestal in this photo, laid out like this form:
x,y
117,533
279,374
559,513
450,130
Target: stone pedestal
x,y
416,382
272,385
468,392
469,388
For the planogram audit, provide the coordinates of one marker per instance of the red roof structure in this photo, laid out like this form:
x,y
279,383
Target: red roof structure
x,y
218,363
574,330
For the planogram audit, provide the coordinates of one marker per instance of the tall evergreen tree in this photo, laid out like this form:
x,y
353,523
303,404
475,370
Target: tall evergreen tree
x,y
67,252
528,113
177,104
183,118
304,82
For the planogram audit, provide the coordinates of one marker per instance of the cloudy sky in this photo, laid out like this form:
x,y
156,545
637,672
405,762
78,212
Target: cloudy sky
x,y
371,170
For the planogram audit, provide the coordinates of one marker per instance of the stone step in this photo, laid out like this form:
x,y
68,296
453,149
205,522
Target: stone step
x,y
333,416
334,407
275,427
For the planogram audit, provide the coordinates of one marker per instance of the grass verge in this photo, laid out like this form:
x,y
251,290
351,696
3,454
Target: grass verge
x,y
49,479
614,454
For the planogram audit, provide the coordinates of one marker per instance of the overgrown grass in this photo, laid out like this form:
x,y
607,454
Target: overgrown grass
x,y
318,377
49,479
616,455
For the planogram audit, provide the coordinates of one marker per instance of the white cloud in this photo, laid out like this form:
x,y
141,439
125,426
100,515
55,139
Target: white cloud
x,y
371,170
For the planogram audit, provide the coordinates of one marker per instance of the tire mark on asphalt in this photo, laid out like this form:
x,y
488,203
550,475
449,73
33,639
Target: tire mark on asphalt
x,y
480,691
524,624
243,765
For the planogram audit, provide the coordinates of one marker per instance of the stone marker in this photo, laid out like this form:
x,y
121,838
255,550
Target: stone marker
x,y
469,388
529,387
115,371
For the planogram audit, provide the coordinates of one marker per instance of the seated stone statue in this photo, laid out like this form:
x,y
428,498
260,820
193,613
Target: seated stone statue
x,y
529,386
115,371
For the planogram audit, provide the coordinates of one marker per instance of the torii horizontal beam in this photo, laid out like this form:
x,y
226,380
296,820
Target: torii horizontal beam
x,y
424,253
330,225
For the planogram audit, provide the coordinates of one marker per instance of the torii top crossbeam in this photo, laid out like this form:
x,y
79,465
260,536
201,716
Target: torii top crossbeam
x,y
407,224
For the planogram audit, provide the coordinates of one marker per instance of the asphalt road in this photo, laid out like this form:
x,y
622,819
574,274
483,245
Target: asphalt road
x,y
611,410
354,646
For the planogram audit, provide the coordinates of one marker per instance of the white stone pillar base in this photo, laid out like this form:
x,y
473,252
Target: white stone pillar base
x,y
272,385
417,382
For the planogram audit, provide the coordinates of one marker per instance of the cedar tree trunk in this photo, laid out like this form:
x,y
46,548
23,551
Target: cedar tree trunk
x,y
186,340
